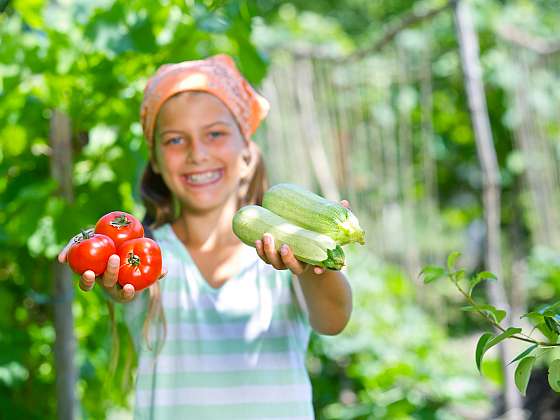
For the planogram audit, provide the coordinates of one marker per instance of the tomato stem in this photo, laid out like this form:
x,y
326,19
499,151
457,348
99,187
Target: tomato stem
x,y
120,221
85,234
133,259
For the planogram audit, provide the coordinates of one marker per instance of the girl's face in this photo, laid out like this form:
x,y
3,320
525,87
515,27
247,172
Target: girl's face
x,y
199,151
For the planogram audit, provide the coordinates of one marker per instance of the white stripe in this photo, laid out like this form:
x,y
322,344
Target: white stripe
x,y
247,331
220,362
219,396
189,299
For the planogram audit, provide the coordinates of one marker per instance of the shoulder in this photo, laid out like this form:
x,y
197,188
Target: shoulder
x,y
162,232
163,235
171,247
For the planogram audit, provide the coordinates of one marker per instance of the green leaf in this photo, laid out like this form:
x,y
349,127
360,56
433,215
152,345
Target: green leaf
x,y
483,275
554,375
18,139
552,324
142,35
486,275
547,332
523,373
458,275
452,259
497,314
534,317
481,348
432,273
524,353
551,310
501,337
487,341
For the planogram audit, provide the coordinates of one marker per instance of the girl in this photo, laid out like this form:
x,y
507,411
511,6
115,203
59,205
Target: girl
x,y
232,328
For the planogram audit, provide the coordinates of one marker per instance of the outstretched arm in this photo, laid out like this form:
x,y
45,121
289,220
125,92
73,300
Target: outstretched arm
x,y
327,293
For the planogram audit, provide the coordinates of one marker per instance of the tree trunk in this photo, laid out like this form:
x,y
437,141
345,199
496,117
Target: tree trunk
x,y
64,348
470,61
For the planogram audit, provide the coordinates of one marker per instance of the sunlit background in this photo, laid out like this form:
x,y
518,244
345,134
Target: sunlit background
x,y
369,103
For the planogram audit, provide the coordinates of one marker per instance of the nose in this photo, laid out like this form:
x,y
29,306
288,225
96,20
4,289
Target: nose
x,y
198,151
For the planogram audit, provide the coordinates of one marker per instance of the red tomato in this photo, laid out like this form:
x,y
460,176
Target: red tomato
x,y
140,263
90,252
120,227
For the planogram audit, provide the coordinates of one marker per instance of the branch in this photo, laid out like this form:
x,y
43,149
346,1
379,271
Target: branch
x,y
408,20
539,45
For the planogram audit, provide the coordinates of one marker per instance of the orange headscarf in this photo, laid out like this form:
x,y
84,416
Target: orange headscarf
x,y
217,75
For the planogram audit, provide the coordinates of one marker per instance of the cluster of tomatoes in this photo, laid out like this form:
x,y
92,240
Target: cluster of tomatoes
x,y
122,234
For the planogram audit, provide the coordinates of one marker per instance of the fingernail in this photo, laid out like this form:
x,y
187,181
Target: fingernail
x,y
258,243
266,239
284,249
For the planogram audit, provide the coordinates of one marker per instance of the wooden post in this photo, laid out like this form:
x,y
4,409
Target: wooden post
x,y
470,61
64,348
311,132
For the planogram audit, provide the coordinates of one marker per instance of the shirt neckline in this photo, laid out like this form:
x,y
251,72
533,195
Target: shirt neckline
x,y
248,254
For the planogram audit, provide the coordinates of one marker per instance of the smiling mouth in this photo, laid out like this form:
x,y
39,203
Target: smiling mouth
x,y
203,178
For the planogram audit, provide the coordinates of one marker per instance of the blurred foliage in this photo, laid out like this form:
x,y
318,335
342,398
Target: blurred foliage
x,y
91,61
393,361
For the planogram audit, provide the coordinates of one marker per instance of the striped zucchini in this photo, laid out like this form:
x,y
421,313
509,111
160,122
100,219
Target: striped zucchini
x,y
250,223
310,211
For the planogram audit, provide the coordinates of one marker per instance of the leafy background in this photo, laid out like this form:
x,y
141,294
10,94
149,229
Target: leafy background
x,y
408,351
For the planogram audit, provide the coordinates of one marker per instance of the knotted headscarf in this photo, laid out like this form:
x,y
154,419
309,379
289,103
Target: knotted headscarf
x,y
216,75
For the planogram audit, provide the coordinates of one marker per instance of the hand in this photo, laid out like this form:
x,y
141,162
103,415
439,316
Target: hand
x,y
108,280
284,258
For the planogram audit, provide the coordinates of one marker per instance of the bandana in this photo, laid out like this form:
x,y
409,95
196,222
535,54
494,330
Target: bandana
x,y
216,75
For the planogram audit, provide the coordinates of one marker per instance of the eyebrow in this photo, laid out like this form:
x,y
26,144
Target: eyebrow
x,y
171,130
217,122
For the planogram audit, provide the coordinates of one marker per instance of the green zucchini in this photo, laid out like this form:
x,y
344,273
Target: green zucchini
x,y
250,223
313,212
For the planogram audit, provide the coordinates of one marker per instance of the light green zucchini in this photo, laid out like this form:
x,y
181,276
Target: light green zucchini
x,y
250,223
313,212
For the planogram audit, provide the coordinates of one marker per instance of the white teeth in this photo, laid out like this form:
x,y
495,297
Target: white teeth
x,y
203,178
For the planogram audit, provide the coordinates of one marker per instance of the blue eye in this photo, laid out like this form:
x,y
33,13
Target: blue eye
x,y
216,134
175,140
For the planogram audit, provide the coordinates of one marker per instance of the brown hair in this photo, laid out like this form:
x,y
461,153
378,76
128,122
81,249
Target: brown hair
x,y
160,209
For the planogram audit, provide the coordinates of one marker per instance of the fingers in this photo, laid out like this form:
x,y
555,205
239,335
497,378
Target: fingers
x,y
87,280
283,258
62,255
111,273
260,251
345,203
271,254
318,270
127,292
64,252
290,261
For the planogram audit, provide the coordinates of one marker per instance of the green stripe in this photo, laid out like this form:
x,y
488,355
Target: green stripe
x,y
211,316
228,411
224,379
174,284
225,346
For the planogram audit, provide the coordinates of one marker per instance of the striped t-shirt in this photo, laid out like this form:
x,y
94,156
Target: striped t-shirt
x,y
236,352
